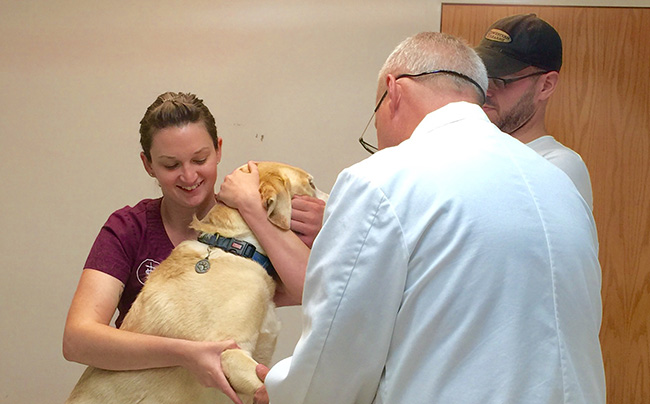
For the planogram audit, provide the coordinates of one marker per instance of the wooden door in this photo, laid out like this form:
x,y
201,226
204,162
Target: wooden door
x,y
601,109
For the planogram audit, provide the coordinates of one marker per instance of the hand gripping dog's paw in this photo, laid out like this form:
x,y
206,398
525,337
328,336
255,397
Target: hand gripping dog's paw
x,y
239,368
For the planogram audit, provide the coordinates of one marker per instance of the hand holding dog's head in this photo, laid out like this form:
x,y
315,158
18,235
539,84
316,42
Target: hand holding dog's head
x,y
276,183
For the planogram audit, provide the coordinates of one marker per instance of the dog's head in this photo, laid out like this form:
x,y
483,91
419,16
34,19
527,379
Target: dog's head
x,y
278,184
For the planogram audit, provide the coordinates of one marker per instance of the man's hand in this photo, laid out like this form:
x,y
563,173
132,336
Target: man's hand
x,y
306,217
261,396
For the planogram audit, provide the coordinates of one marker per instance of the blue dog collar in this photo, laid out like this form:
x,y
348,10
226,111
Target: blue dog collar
x,y
238,247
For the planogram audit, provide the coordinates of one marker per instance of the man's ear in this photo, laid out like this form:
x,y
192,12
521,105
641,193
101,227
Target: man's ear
x,y
548,85
394,93
147,164
274,190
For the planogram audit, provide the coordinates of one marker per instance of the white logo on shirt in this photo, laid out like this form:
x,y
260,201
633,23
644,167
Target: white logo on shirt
x,y
145,269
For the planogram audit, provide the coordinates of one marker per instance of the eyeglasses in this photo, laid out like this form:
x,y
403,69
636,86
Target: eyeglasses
x,y
373,149
501,83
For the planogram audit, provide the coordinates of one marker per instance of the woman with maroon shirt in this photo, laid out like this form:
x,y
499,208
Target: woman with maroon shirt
x,y
181,149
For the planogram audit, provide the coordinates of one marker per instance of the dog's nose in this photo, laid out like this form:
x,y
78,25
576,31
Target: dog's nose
x,y
322,195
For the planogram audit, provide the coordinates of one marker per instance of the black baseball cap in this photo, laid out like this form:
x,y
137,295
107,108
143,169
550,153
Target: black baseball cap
x,y
516,42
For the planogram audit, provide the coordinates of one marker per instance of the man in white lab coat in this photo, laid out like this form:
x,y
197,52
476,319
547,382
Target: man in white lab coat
x,y
455,265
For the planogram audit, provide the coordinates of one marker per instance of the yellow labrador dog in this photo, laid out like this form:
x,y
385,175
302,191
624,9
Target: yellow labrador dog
x,y
201,292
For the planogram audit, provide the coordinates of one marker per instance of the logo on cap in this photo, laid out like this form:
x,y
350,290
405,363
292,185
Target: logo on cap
x,y
497,35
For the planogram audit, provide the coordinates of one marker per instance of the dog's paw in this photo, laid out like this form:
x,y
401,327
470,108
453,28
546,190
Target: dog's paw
x,y
239,368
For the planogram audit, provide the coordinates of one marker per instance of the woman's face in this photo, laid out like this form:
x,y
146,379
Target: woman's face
x,y
184,161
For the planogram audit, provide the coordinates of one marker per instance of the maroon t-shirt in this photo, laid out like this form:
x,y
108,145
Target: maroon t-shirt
x,y
129,246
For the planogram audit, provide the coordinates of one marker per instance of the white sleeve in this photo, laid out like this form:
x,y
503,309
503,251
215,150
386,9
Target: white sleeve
x,y
571,163
353,290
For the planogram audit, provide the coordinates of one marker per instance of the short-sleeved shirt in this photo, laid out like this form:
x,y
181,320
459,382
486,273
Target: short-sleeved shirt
x,y
130,245
566,160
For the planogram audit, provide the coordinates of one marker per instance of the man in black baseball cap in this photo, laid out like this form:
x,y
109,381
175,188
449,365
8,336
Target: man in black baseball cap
x,y
514,43
523,57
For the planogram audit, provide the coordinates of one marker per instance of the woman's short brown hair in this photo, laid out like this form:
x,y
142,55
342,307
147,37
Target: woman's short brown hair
x,y
175,109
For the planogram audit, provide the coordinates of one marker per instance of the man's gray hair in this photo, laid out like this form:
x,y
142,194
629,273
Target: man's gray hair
x,y
429,51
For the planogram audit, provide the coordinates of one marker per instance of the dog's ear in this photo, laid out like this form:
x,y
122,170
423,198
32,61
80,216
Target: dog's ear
x,y
276,199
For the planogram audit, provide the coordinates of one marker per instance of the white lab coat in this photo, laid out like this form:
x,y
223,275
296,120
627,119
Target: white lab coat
x,y
457,267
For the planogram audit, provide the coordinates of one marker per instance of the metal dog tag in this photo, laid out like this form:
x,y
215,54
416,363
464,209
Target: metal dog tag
x,y
202,266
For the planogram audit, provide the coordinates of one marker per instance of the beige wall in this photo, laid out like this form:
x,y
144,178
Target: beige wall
x,y
292,81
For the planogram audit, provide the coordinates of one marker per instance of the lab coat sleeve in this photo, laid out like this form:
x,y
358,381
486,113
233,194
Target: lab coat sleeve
x,y
353,290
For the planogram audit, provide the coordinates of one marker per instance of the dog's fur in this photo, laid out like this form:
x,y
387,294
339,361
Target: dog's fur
x,y
233,300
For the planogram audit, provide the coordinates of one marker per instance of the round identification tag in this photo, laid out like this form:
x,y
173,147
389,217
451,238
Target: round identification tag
x,y
202,266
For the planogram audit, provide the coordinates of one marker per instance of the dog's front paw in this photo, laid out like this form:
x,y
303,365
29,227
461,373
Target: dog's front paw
x,y
239,368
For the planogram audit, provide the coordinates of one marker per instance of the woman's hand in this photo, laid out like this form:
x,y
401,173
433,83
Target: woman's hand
x,y
203,360
306,217
240,190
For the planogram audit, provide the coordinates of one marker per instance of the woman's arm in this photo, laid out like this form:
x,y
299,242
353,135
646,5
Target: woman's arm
x,y
288,253
89,339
